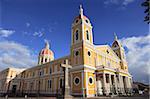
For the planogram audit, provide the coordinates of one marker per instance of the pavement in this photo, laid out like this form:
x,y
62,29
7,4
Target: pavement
x,y
135,97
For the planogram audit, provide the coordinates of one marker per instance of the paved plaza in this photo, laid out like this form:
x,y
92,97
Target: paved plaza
x,y
135,97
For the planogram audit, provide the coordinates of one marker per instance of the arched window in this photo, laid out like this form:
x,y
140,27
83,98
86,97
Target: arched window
x,y
117,54
50,70
61,83
42,60
49,84
45,59
77,53
77,35
86,21
87,35
89,54
76,21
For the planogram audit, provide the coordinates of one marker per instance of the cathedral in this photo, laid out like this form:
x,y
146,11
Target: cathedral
x,y
95,69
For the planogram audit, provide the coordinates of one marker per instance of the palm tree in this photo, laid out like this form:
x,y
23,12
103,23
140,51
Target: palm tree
x,y
146,4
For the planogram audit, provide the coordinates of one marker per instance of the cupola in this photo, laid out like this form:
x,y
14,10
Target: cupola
x,y
45,55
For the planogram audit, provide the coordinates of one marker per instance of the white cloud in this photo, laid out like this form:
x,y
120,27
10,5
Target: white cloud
x,y
38,34
118,2
28,24
138,56
5,32
111,2
126,2
13,54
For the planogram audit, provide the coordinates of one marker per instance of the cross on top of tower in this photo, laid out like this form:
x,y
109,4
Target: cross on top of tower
x,y
47,44
81,10
116,38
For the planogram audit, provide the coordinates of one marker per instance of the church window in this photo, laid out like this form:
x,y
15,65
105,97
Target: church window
x,y
89,53
107,52
40,73
76,21
91,80
77,35
49,83
76,80
42,60
121,67
77,53
45,59
86,21
64,61
117,54
61,83
50,70
87,35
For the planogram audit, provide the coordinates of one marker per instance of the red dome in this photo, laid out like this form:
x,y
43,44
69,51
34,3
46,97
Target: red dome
x,y
46,51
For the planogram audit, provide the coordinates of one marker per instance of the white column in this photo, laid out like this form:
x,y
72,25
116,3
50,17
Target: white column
x,y
119,83
115,83
110,83
104,83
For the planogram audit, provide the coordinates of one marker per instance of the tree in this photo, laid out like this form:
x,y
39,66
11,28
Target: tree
x,y
146,4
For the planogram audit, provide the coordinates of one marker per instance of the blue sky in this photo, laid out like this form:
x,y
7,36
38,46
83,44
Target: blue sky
x,y
27,23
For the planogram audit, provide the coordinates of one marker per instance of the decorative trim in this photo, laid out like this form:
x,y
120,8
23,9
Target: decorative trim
x,y
82,66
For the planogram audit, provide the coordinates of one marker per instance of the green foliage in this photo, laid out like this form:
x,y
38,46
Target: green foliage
x,y
146,4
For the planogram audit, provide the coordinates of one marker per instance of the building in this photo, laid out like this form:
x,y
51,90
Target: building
x,y
6,77
96,69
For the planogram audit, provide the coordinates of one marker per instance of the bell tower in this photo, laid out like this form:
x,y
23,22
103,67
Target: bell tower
x,y
119,50
81,29
82,36
82,55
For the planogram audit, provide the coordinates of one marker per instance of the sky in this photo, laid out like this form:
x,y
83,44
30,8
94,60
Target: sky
x,y
25,25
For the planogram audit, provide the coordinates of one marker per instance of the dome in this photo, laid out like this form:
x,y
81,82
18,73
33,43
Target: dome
x,y
80,17
45,55
46,52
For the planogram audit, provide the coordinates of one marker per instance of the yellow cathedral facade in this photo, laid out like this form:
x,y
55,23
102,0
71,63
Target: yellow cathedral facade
x,y
96,69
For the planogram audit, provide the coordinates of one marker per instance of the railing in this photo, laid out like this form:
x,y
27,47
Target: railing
x,y
37,93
